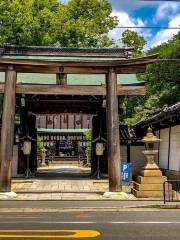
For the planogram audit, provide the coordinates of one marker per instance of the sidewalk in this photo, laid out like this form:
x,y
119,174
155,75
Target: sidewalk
x,y
62,182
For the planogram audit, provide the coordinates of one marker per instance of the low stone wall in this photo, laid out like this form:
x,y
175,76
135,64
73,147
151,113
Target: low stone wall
x,y
173,175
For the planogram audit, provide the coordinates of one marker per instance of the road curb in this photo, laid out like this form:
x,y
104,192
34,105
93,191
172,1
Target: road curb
x,y
175,206
170,206
87,209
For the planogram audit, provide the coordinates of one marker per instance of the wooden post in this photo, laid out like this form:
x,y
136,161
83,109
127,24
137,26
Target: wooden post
x,y
128,153
113,139
61,78
23,122
95,134
7,132
31,122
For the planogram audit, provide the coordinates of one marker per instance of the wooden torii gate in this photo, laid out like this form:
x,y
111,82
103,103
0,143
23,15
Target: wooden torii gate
x,y
100,61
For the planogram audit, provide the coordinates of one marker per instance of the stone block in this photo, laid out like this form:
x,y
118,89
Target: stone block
x,y
142,179
148,187
151,190
147,194
151,173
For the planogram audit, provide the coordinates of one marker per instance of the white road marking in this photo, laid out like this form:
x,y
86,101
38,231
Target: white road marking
x,y
144,222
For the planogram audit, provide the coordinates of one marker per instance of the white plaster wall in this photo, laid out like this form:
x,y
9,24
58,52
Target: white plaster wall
x,y
138,160
174,160
163,151
157,145
15,161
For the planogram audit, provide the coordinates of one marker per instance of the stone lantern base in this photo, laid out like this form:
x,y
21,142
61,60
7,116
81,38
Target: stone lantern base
x,y
150,183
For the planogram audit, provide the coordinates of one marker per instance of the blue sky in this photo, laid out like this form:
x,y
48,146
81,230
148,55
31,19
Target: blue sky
x,y
147,13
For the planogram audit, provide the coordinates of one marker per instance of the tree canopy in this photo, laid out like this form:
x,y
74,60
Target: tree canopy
x,y
132,39
162,82
78,23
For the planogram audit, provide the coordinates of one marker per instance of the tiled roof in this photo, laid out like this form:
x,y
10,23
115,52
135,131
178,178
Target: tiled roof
x,y
167,111
128,133
7,50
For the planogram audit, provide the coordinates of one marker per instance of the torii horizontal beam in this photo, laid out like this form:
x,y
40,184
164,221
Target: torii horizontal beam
x,y
92,66
83,90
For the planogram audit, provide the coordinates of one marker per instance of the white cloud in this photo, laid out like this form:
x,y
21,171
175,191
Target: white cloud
x,y
124,21
166,10
167,34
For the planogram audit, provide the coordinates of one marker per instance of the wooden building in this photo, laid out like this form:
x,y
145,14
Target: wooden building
x,y
40,97
65,145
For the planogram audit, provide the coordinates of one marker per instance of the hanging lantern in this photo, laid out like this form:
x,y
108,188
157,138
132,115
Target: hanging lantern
x,y
49,121
78,120
27,147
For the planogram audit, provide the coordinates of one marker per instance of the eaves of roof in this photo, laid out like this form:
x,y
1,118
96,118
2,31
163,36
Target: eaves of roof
x,y
167,111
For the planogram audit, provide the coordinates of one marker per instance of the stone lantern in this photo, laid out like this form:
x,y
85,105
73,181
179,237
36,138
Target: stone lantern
x,y
150,183
150,141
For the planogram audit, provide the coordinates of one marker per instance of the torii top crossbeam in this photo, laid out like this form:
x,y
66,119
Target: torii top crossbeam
x,y
72,60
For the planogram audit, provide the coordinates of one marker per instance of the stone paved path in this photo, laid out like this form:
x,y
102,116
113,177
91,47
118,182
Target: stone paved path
x,y
61,183
60,179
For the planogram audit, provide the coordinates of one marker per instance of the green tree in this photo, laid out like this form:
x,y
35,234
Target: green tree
x,y
78,23
133,39
39,144
88,136
162,81
88,24
27,22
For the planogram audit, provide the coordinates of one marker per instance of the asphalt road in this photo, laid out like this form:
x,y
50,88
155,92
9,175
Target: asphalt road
x,y
126,224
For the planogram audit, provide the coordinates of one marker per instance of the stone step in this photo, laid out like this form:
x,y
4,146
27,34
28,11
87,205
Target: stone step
x,y
54,163
159,180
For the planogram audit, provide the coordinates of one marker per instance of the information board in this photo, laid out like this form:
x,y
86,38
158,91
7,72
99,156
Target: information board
x,y
125,172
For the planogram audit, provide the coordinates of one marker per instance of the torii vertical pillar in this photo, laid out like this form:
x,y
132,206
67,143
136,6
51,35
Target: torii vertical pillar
x,y
113,139
7,131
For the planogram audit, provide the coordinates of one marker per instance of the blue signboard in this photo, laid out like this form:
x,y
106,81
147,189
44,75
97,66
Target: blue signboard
x,y
125,172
